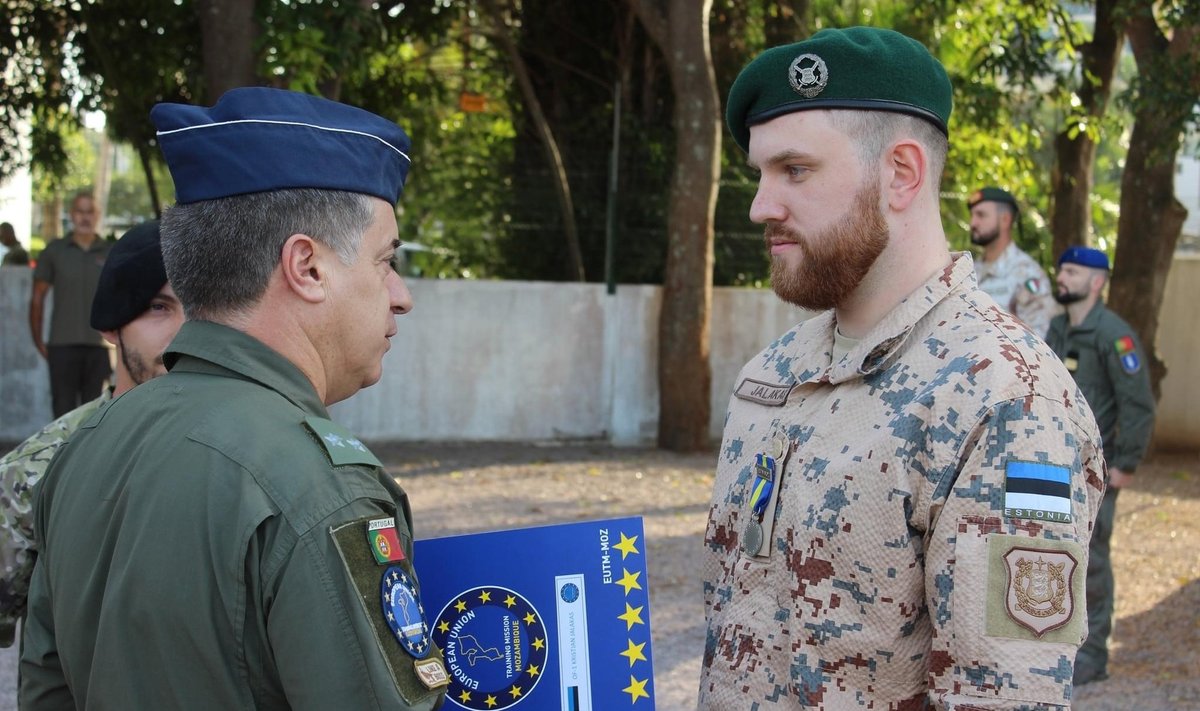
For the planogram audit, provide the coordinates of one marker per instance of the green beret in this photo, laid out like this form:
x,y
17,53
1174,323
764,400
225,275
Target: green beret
x,y
992,195
863,68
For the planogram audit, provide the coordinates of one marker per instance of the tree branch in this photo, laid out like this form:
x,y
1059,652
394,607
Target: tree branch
x,y
654,21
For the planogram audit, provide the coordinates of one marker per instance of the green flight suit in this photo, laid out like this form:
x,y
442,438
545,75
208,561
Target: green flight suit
x,y
204,545
1106,359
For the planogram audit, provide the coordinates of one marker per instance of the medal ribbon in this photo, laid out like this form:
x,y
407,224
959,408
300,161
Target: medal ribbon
x,y
764,482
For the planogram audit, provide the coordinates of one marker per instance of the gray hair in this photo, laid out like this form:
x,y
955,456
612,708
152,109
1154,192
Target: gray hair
x,y
220,253
872,131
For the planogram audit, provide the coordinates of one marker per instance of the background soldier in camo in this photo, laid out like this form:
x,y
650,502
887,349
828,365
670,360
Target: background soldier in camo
x,y
136,311
908,479
1004,272
1105,357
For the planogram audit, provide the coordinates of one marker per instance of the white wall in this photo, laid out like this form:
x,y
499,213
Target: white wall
x,y
16,204
496,361
1187,190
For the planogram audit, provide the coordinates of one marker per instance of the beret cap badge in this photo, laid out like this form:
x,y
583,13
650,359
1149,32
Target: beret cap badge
x,y
808,75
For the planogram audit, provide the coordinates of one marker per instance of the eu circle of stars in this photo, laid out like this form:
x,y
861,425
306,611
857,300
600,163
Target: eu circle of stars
x,y
533,629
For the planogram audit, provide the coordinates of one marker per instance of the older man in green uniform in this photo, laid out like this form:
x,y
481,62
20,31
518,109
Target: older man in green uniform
x,y
1104,355
212,540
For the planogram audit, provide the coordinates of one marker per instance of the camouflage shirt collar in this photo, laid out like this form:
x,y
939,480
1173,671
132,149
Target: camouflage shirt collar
x,y
883,342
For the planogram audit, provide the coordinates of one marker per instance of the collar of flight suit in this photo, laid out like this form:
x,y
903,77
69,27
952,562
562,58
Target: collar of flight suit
x,y
1090,322
207,347
883,342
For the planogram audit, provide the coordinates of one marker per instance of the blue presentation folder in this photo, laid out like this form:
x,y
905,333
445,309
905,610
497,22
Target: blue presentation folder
x,y
552,617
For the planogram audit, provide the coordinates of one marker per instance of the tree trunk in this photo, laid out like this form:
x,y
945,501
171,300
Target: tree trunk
x,y
227,34
562,186
1148,228
1071,180
52,218
1151,218
143,152
684,372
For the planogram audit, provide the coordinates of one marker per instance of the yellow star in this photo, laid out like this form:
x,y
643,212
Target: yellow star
x,y
490,701
533,670
632,616
629,581
634,652
443,626
460,606
529,618
485,596
538,643
464,696
636,688
515,691
510,601
626,546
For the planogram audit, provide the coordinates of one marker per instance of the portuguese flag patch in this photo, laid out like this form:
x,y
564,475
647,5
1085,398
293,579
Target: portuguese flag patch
x,y
384,541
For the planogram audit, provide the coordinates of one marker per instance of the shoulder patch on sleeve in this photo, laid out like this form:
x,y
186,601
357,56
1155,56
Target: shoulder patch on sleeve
x,y
341,446
1127,351
1035,589
1034,286
390,599
1037,491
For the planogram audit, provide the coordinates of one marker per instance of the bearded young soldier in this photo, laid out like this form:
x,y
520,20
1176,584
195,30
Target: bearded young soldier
x,y
907,480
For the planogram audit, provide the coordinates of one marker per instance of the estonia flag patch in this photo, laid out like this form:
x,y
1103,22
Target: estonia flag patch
x,y
1037,491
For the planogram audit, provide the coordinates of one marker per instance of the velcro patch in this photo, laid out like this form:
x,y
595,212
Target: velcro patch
x,y
1035,589
395,587
1037,491
769,394
1033,285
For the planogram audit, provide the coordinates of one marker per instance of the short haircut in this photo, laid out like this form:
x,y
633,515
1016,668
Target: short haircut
x,y
82,194
873,131
220,254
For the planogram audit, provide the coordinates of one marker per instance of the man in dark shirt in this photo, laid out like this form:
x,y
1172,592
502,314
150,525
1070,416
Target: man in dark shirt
x,y
75,351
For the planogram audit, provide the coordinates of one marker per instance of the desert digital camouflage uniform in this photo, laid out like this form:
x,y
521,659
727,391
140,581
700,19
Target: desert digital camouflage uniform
x,y
1020,286
903,564
20,470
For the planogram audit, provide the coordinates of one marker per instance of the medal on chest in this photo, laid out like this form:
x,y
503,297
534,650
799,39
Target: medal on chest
x,y
767,468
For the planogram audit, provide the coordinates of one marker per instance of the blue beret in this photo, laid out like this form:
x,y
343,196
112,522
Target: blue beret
x,y
865,68
1084,256
132,276
257,139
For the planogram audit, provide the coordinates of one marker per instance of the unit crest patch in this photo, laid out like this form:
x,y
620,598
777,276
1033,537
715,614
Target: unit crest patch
x,y
1035,589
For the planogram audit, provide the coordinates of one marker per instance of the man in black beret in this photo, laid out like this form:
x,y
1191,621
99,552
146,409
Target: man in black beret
x,y
136,311
907,479
1004,272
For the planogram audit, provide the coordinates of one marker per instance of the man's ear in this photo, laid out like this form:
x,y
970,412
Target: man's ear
x,y
111,336
302,268
908,164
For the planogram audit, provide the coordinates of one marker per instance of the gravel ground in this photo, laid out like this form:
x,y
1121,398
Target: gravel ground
x,y
1156,645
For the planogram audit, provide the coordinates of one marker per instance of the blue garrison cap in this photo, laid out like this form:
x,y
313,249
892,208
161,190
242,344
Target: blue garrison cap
x,y
257,139
1084,256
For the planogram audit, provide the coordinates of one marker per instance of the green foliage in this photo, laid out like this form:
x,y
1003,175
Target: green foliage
x,y
480,199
